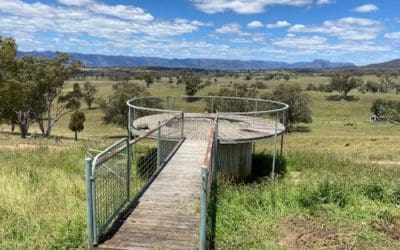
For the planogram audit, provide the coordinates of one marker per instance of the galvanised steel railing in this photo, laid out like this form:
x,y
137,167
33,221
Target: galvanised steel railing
x,y
121,171
208,175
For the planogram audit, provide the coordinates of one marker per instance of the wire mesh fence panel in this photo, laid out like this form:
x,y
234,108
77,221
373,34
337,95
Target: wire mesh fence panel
x,y
144,164
167,148
109,191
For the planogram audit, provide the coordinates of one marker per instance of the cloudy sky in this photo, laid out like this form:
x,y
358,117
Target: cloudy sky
x,y
355,31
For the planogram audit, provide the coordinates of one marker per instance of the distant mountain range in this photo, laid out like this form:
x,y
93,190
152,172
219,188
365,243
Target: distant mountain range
x,y
97,60
389,64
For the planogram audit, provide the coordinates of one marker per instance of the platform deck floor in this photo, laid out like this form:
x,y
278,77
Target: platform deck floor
x,y
167,215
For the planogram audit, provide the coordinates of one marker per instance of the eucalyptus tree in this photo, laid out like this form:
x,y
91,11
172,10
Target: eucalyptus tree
x,y
344,83
89,91
49,77
115,108
16,97
76,122
299,104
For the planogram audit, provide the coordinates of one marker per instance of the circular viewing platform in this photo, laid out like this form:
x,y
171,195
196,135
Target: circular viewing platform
x,y
232,128
241,122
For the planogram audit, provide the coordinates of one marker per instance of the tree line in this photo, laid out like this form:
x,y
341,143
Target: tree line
x,y
31,90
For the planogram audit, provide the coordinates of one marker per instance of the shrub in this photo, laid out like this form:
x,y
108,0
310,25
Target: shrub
x,y
372,86
311,87
260,85
324,88
374,191
299,104
396,195
326,192
389,110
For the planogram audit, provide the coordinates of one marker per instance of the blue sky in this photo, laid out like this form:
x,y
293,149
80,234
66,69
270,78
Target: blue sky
x,y
358,31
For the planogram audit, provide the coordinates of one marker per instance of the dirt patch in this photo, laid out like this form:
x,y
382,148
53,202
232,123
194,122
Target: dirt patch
x,y
310,233
392,230
29,146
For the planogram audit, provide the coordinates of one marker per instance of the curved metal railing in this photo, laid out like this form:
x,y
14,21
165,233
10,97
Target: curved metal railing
x,y
254,117
177,104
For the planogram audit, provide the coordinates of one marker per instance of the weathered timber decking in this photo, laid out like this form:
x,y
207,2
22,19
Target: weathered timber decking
x,y
167,215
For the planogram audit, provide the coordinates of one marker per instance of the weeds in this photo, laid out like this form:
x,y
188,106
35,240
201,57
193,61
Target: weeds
x,y
332,193
42,199
324,193
374,191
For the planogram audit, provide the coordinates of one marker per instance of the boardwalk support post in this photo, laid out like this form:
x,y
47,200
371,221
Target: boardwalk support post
x,y
212,104
203,208
159,146
274,155
283,132
129,157
182,123
89,193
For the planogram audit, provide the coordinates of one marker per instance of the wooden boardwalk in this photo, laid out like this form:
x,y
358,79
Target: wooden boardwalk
x,y
167,215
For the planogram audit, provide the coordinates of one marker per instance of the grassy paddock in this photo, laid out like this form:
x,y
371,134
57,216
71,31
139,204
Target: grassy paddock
x,y
340,189
323,201
42,198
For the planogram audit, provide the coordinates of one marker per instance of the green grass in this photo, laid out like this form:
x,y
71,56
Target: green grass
x,y
341,186
42,198
333,200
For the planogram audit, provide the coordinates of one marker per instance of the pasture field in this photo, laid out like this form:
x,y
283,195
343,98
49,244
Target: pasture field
x,y
341,187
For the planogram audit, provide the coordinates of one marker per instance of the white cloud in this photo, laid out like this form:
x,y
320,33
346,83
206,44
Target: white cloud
x,y
393,35
244,6
278,24
348,28
255,24
300,42
230,28
323,2
121,11
321,46
233,32
91,26
75,2
365,8
95,19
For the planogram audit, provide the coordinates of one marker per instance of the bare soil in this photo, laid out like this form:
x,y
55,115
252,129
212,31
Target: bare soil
x,y
392,230
310,233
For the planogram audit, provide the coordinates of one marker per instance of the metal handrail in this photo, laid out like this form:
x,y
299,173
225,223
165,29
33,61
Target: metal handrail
x,y
207,177
211,138
95,230
97,160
